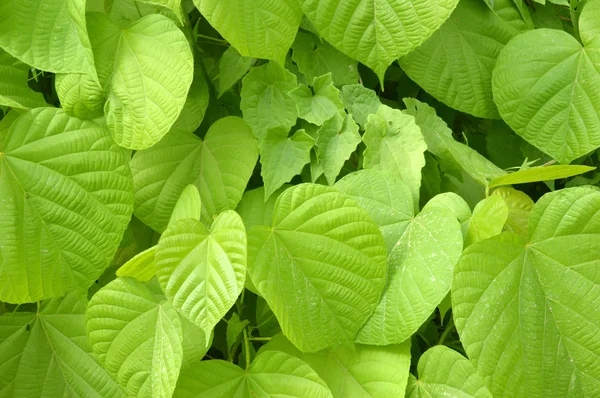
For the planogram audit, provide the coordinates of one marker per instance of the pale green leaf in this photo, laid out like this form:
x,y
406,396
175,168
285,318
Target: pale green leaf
x,y
5,123
271,374
488,219
545,85
189,205
283,157
234,329
337,139
360,102
319,103
387,200
14,90
265,100
172,5
220,167
455,65
64,210
253,208
49,35
232,67
368,371
257,29
147,69
46,354
80,95
544,173
419,276
316,58
589,21
141,266
321,266
136,336
195,106
519,208
202,272
394,144
526,310
443,372
377,33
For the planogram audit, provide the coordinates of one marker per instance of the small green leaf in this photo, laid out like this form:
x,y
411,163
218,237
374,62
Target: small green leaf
x,y
321,266
271,374
395,145
172,5
195,343
283,157
234,329
543,173
202,272
488,219
265,100
519,207
232,67
14,91
253,208
320,103
140,267
337,139
80,95
188,205
360,102
136,337
195,106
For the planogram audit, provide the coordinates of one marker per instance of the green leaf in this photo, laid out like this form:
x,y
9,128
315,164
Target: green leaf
x,y
519,207
265,100
5,124
321,266
387,200
232,67
49,35
172,5
140,267
188,205
544,84
136,336
443,372
195,106
544,173
271,374
316,58
14,91
202,272
63,210
369,371
488,219
395,145
161,173
336,141
526,309
46,354
455,65
234,329
377,33
441,143
360,102
419,276
80,95
320,103
589,21
503,146
283,157
253,208
257,29
195,343
143,101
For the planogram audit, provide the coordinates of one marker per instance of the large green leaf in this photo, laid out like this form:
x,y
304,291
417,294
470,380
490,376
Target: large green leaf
x,y
283,157
271,374
443,372
387,200
265,100
46,354
257,29
66,198
49,35
136,336
377,33
419,276
395,145
545,84
319,103
203,272
526,310
455,64
321,266
196,104
337,139
220,167
146,69
14,91
367,371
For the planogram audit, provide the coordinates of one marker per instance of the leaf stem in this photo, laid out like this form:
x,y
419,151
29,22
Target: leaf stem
x,y
247,346
449,328
259,338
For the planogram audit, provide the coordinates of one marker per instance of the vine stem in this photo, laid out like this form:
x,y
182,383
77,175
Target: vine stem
x,y
449,328
247,345
259,338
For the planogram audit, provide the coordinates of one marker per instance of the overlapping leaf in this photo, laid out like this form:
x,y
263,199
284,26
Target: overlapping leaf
x,y
14,91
